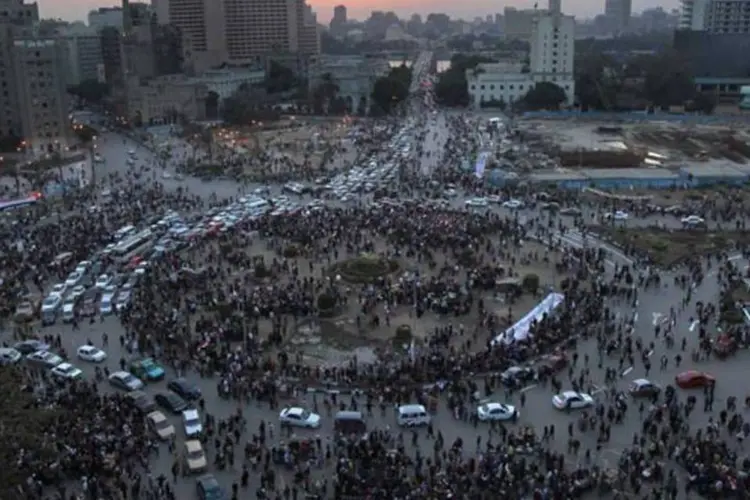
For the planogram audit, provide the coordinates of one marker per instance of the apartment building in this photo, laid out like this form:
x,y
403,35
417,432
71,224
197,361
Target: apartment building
x,y
716,16
33,76
240,31
617,14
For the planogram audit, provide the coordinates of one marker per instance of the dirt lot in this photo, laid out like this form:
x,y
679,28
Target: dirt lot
x,y
668,248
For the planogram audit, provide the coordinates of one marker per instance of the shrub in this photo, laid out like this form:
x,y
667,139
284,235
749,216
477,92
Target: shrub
x,y
530,283
326,301
291,251
403,335
261,271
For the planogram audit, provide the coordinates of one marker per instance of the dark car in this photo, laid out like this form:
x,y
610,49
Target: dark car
x,y
171,402
209,489
31,346
517,375
185,389
141,401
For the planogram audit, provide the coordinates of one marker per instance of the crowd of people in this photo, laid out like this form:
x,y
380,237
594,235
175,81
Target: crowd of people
x,y
226,321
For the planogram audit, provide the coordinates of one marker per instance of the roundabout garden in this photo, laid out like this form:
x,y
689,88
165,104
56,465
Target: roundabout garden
x,y
364,269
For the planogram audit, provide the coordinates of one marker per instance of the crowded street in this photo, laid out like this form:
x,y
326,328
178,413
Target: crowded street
x,y
159,292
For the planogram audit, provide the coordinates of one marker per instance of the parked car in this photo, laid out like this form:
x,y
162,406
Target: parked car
x,y
641,387
194,456
44,359
26,347
295,416
67,371
572,400
9,356
147,369
185,389
125,381
141,401
496,411
91,353
171,402
160,426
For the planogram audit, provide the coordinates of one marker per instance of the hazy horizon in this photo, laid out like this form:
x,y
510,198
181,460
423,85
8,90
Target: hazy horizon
x,y
77,10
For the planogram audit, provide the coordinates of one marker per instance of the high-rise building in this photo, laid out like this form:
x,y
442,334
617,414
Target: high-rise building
x,y
106,16
339,14
240,31
617,14
33,77
554,6
518,24
716,16
84,54
552,45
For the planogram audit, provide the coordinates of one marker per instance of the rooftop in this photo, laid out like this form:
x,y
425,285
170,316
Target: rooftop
x,y
628,173
557,175
714,170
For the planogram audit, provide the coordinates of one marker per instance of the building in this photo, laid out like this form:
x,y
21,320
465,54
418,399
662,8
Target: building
x,y
224,82
39,66
555,6
105,17
617,14
84,54
34,99
339,20
165,99
551,59
110,39
715,55
716,16
240,32
354,75
518,24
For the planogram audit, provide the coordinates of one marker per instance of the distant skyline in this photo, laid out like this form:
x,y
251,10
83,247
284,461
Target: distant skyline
x,y
77,10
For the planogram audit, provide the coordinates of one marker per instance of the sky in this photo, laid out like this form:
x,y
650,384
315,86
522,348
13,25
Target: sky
x,y
77,10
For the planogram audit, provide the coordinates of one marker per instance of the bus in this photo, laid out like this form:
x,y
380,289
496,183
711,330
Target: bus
x,y
134,245
124,232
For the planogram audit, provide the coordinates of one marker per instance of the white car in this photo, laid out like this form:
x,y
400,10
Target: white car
x,y
91,353
619,215
191,420
295,416
476,202
59,289
126,381
66,371
692,220
73,278
103,281
572,400
9,356
496,411
77,291
513,204
83,266
45,359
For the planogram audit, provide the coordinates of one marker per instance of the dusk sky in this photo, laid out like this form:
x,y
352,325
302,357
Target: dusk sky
x,y
74,10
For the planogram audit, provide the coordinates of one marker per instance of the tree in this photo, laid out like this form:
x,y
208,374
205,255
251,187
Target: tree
x,y
390,90
212,105
451,88
544,95
92,91
280,78
703,102
323,95
668,80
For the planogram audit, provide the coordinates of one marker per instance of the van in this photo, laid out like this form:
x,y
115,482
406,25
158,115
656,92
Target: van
x,y
349,422
412,416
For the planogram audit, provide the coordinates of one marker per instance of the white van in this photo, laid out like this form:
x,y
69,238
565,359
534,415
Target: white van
x,y
412,416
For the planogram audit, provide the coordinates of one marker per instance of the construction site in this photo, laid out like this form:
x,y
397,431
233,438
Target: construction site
x,y
574,143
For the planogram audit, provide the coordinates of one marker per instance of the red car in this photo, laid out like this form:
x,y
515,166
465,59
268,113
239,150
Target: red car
x,y
693,378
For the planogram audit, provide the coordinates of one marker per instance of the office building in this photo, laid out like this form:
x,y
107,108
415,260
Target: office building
x,y
617,14
716,16
551,59
83,52
240,32
555,6
339,15
105,17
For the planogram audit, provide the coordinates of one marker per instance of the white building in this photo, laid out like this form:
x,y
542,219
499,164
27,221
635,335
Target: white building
x,y
716,16
551,59
354,75
226,82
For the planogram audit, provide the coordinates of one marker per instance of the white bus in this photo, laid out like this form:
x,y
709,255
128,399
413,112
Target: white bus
x,y
135,245
124,232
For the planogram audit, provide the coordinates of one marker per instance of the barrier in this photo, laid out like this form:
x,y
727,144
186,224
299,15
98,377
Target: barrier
x,y
520,330
481,164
